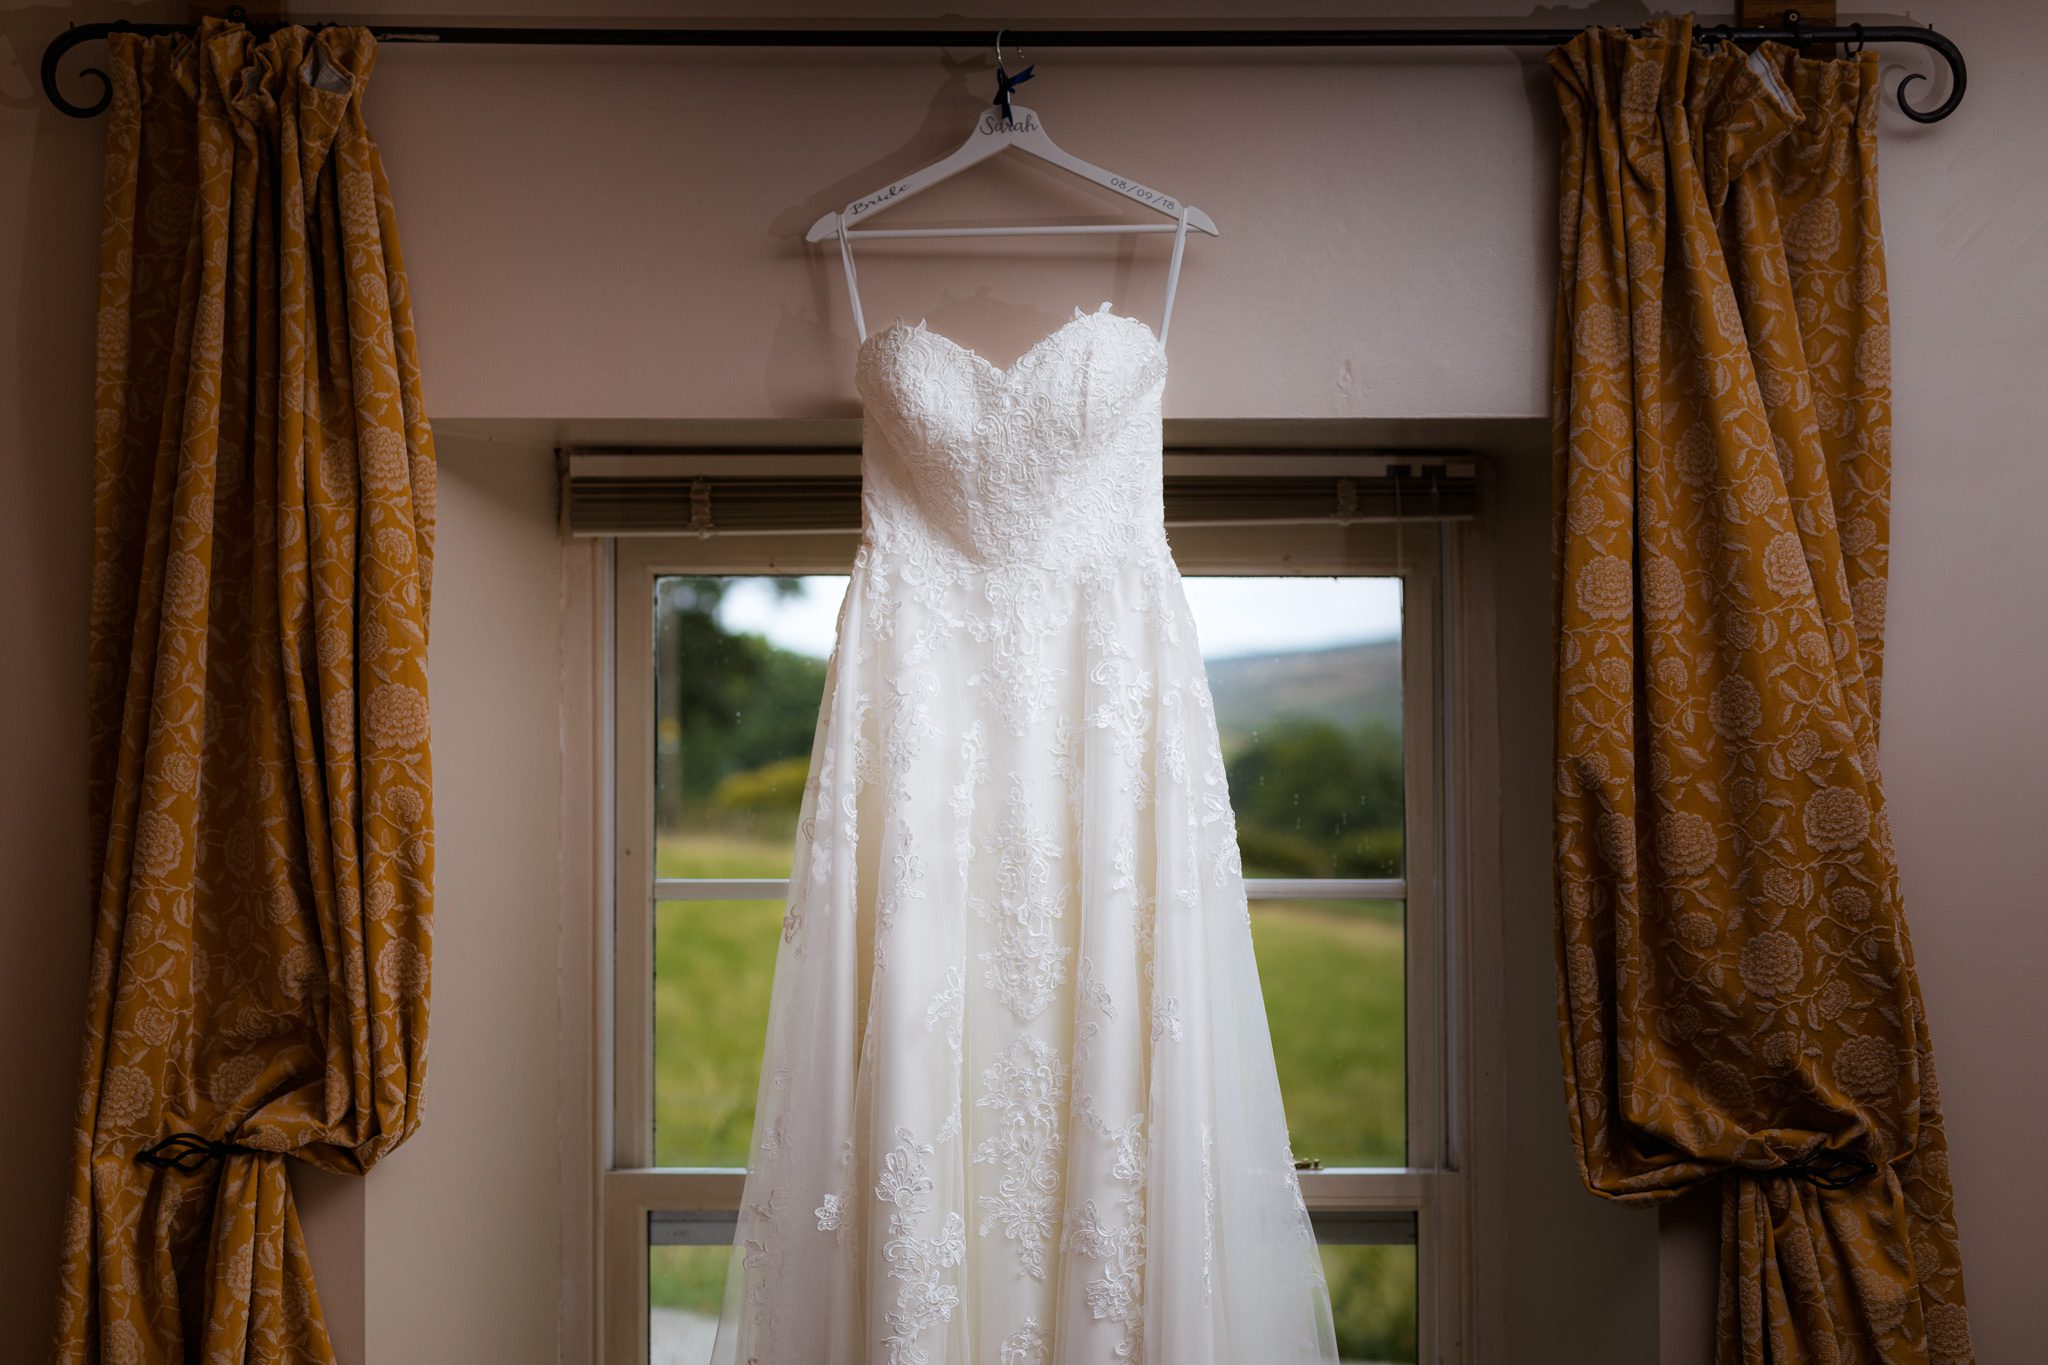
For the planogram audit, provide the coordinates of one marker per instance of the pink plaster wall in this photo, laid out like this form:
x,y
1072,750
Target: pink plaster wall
x,y
595,235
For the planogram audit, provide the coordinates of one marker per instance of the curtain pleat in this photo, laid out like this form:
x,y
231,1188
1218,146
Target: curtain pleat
x,y
261,793
1736,986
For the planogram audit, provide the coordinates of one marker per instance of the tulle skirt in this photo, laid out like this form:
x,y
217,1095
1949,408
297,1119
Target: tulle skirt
x,y
1018,1104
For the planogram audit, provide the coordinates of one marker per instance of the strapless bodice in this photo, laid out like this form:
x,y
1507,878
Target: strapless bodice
x,y
1054,461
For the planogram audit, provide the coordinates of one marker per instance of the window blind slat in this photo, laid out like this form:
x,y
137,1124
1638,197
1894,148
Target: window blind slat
x,y
615,495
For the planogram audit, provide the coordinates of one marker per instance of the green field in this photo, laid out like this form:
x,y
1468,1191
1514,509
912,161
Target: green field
x,y
1332,975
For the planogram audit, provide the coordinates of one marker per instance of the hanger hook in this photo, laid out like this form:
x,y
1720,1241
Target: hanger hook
x,y
1005,82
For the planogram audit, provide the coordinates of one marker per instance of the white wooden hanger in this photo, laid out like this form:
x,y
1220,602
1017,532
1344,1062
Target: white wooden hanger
x,y
993,133
1010,125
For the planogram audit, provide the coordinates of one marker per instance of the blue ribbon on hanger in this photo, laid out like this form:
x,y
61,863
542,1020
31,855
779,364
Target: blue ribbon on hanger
x,y
1005,83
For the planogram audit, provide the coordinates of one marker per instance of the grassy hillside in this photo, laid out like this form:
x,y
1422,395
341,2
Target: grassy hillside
x,y
1350,685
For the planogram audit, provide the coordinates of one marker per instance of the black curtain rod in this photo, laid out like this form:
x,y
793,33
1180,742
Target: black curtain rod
x,y
1793,32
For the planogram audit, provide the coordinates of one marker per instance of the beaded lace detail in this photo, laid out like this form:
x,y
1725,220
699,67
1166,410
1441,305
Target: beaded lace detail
x,y
1053,461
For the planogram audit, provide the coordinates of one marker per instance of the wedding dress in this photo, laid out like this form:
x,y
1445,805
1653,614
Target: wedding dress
x,y
1018,1104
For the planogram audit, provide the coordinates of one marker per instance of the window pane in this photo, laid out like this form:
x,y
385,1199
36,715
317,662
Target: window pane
x,y
1294,661
713,963
1334,977
1372,1293
1306,674
739,669
684,1287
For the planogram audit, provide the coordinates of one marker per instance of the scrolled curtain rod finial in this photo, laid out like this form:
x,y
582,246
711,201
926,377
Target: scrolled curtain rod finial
x,y
55,53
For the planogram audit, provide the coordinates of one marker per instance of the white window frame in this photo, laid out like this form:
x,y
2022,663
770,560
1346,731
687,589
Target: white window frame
x,y
1435,1187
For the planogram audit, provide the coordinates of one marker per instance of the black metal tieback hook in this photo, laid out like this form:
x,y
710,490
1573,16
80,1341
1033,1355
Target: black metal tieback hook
x,y
189,1152
1005,82
1829,1170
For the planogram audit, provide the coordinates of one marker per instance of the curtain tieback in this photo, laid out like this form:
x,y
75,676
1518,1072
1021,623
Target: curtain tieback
x,y
1829,1170
189,1152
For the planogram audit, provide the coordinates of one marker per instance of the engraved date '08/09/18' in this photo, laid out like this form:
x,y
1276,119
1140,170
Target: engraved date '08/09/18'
x,y
1144,194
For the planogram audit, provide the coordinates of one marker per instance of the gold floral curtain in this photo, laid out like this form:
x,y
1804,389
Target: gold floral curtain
x,y
263,527
1737,991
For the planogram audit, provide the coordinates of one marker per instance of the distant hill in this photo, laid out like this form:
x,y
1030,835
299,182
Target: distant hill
x,y
1349,685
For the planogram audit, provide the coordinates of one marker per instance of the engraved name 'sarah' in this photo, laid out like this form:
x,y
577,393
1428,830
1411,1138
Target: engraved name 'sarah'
x,y
994,122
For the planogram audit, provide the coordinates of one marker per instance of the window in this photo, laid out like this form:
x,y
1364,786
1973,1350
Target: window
x,y
1324,649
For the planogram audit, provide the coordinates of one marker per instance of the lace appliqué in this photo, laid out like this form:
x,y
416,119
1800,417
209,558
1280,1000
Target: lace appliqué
x,y
907,724
1166,1018
1089,991
950,1129
812,858
907,871
772,1128
1165,1010
867,766
758,1234
925,1299
1088,986
949,1007
1172,735
1066,766
1027,1088
1025,1346
973,771
1117,1295
1126,1142
1027,965
834,1209
1122,693
1217,816
1021,687
1209,1210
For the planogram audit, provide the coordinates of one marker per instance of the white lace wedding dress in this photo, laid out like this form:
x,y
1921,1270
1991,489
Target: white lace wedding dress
x,y
1018,1105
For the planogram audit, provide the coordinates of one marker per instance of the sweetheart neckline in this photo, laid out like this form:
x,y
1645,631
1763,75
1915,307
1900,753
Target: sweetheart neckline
x,y
1003,373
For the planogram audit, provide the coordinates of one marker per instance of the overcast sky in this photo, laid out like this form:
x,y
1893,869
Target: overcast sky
x,y
1233,616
